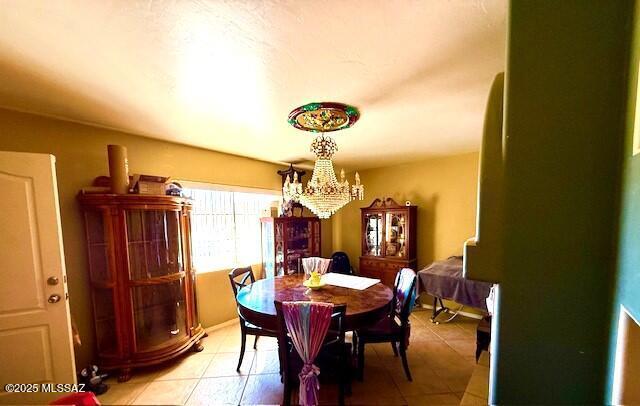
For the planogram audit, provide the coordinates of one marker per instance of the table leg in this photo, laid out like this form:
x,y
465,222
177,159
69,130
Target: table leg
x,y
436,311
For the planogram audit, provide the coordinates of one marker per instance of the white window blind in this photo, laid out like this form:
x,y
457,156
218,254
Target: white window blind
x,y
225,227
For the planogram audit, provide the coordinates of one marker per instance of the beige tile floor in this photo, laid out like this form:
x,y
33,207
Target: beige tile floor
x,y
441,358
477,391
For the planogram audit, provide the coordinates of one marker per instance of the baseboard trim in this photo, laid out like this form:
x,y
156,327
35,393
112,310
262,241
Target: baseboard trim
x,y
462,313
221,325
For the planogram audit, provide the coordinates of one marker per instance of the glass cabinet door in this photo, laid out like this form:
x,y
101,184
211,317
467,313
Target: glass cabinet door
x,y
279,243
395,235
299,243
155,251
299,237
373,234
105,320
98,247
268,258
155,248
102,280
160,314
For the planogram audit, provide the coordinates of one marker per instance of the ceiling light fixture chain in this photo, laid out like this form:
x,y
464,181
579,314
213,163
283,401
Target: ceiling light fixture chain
x,y
323,194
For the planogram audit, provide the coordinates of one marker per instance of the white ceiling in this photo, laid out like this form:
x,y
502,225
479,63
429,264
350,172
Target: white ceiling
x,y
224,75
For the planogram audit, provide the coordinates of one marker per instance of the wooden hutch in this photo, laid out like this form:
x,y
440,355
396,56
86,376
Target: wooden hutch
x,y
388,239
142,281
288,238
285,240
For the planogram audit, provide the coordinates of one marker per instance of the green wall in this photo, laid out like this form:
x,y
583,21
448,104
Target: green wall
x,y
627,283
564,124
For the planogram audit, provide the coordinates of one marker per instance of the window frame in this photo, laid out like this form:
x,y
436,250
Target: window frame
x,y
213,187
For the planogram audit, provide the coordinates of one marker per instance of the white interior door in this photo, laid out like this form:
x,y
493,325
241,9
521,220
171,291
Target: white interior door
x,y
35,328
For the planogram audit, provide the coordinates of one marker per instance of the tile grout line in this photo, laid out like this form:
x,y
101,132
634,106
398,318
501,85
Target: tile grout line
x,y
450,391
146,384
431,369
200,378
225,335
390,377
246,381
397,387
186,400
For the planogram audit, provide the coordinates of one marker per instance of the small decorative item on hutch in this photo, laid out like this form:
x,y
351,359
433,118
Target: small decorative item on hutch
x,y
149,185
287,239
142,281
174,189
388,239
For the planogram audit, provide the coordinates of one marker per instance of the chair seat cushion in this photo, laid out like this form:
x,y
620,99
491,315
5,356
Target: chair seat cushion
x,y
384,328
328,360
255,330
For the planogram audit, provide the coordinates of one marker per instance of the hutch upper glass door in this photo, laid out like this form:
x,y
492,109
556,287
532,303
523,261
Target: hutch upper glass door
x,y
373,234
299,242
395,235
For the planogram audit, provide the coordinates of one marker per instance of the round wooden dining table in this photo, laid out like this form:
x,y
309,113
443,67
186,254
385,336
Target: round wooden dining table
x,y
364,307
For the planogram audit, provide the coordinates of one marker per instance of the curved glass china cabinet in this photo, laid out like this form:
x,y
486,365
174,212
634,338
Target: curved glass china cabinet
x,y
143,284
388,239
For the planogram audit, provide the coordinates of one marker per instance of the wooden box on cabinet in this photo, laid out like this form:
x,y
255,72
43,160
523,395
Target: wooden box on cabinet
x,y
142,281
285,240
388,240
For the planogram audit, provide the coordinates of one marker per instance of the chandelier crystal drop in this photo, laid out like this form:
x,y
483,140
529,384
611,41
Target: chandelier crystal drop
x,y
323,194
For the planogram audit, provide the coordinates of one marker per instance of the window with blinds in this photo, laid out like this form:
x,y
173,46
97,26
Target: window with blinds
x,y
225,227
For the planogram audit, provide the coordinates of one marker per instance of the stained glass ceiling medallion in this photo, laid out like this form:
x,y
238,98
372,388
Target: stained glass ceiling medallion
x,y
323,117
323,194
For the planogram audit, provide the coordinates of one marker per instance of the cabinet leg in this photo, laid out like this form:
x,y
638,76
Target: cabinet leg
x,y
197,346
124,375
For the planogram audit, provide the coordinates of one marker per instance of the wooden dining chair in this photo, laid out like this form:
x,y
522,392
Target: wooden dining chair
x,y
333,357
340,263
239,278
395,327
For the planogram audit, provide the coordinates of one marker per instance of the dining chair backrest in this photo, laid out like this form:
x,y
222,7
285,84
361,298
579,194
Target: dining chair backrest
x,y
239,278
340,263
303,327
404,294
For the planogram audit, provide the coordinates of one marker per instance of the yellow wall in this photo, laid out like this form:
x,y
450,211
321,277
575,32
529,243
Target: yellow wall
x,y
326,237
80,151
445,191
443,188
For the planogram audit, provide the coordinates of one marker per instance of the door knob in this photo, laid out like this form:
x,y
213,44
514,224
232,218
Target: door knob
x,y
54,299
53,280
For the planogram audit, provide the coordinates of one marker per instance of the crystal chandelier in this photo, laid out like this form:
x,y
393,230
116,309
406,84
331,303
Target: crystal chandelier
x,y
323,194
